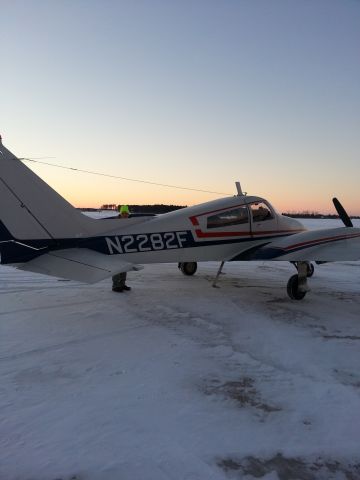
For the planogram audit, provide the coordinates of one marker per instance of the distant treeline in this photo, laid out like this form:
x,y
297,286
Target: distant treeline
x,y
161,208
157,208
313,215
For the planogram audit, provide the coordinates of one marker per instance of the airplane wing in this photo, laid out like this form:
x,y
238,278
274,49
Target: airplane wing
x,y
83,265
328,245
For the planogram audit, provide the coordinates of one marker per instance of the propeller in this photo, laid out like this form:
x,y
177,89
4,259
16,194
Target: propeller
x,y
342,213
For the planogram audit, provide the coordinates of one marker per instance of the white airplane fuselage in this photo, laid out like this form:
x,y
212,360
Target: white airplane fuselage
x,y
188,235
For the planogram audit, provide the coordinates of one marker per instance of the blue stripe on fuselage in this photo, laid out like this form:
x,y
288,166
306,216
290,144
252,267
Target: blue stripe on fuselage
x,y
12,252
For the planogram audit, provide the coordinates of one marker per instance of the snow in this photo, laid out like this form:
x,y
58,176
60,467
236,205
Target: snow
x,y
179,380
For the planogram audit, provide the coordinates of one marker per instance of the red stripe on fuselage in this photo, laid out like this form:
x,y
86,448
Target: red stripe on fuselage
x,y
321,240
202,234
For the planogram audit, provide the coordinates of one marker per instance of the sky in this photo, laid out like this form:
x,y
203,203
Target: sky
x,y
196,94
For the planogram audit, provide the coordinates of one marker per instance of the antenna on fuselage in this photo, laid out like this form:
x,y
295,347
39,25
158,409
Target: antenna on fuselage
x,y
238,188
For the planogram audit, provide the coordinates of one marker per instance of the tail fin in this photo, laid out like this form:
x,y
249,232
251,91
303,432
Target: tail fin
x,y
30,209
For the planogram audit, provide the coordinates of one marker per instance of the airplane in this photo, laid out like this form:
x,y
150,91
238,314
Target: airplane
x,y
41,232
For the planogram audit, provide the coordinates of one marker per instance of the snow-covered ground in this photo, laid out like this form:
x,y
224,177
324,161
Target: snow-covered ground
x,y
179,380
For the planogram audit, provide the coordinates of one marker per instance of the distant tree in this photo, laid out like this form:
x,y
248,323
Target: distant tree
x,y
108,206
309,214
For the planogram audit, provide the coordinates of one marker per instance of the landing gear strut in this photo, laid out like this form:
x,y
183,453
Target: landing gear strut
x,y
188,268
297,286
218,274
309,266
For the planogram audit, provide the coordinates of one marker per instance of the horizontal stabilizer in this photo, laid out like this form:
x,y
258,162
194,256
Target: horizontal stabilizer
x,y
82,265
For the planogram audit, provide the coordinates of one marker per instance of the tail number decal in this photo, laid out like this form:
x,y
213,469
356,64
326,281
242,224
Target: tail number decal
x,y
146,242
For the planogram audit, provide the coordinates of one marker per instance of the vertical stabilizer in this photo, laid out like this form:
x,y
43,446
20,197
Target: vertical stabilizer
x,y
30,209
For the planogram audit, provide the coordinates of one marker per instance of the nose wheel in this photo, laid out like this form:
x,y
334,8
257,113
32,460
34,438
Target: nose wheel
x,y
310,269
293,289
297,286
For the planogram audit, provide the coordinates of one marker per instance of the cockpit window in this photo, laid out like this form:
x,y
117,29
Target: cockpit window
x,y
237,216
260,212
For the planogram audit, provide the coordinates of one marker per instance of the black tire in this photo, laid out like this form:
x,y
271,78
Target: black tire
x,y
188,268
293,289
310,270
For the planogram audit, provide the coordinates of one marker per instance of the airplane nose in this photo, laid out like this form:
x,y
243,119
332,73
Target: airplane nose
x,y
297,224
289,223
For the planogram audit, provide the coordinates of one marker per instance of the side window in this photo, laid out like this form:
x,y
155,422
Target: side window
x,y
260,212
237,216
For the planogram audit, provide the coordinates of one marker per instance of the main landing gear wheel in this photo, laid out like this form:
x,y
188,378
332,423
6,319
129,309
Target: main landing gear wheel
x,y
293,288
188,268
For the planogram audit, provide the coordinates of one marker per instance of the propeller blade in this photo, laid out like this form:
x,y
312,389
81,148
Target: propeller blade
x,y
342,213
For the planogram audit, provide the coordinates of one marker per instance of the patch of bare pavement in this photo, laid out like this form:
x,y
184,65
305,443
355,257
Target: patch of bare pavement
x,y
242,391
74,477
341,337
290,468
